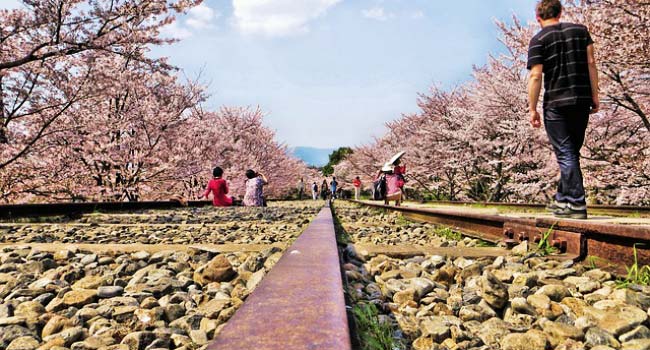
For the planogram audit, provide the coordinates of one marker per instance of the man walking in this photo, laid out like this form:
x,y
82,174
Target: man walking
x,y
301,188
314,191
563,54
333,185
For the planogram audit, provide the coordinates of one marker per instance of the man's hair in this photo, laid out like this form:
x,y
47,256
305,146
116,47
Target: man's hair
x,y
547,9
217,172
250,173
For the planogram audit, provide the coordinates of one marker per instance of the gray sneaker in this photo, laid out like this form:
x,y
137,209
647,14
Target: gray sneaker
x,y
572,211
555,205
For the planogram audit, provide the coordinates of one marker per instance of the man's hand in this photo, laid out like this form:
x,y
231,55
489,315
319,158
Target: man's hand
x,y
595,107
535,119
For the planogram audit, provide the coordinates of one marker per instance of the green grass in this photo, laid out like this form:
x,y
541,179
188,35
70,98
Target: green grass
x,y
485,244
448,233
373,333
402,221
544,246
635,274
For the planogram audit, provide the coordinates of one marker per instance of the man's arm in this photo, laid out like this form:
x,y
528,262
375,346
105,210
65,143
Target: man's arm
x,y
534,88
593,77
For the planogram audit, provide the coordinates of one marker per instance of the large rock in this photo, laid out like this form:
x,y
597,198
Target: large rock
x,y
493,331
30,310
89,282
138,340
109,291
69,335
597,336
637,344
558,332
422,286
493,291
436,328
555,292
622,319
79,297
520,249
255,279
11,332
640,332
218,269
405,296
54,325
531,340
23,343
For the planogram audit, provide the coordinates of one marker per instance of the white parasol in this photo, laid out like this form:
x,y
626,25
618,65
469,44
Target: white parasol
x,y
388,166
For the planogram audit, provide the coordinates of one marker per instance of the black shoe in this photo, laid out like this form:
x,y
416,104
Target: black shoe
x,y
572,212
555,205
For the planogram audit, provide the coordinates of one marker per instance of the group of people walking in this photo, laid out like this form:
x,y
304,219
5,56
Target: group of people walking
x,y
254,183
326,190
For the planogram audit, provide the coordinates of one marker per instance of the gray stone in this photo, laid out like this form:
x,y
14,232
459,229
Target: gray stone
x,y
23,343
640,332
521,306
109,291
138,340
218,269
558,332
493,291
636,344
555,292
597,336
622,320
492,331
255,279
521,249
524,341
199,337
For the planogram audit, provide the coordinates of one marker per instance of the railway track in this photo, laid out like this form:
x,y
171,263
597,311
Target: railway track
x,y
603,237
616,210
288,287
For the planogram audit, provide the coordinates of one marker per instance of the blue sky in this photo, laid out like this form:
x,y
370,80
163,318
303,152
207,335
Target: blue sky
x,y
330,73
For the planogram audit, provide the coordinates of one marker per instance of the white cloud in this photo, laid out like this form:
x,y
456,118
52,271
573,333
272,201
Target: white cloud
x,y
417,14
174,30
278,17
377,13
201,17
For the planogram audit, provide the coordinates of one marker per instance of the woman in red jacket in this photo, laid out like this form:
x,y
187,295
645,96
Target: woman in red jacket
x,y
357,187
219,189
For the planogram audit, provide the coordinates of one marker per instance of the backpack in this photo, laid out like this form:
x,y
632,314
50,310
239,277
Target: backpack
x,y
379,188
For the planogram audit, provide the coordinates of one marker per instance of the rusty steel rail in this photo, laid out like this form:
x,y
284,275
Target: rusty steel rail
x,y
578,238
612,209
10,211
299,304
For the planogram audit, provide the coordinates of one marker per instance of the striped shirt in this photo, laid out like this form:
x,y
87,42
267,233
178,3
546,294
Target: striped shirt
x,y
562,50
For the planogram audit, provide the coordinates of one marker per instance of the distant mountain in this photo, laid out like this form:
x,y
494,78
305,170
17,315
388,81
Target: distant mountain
x,y
313,156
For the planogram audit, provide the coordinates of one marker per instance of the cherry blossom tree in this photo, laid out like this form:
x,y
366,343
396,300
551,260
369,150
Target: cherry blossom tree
x,y
235,139
49,50
474,142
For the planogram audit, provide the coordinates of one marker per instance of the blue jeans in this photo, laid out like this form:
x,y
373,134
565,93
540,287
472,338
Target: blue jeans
x,y
565,127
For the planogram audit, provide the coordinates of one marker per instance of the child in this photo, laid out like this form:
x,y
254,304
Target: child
x,y
219,189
